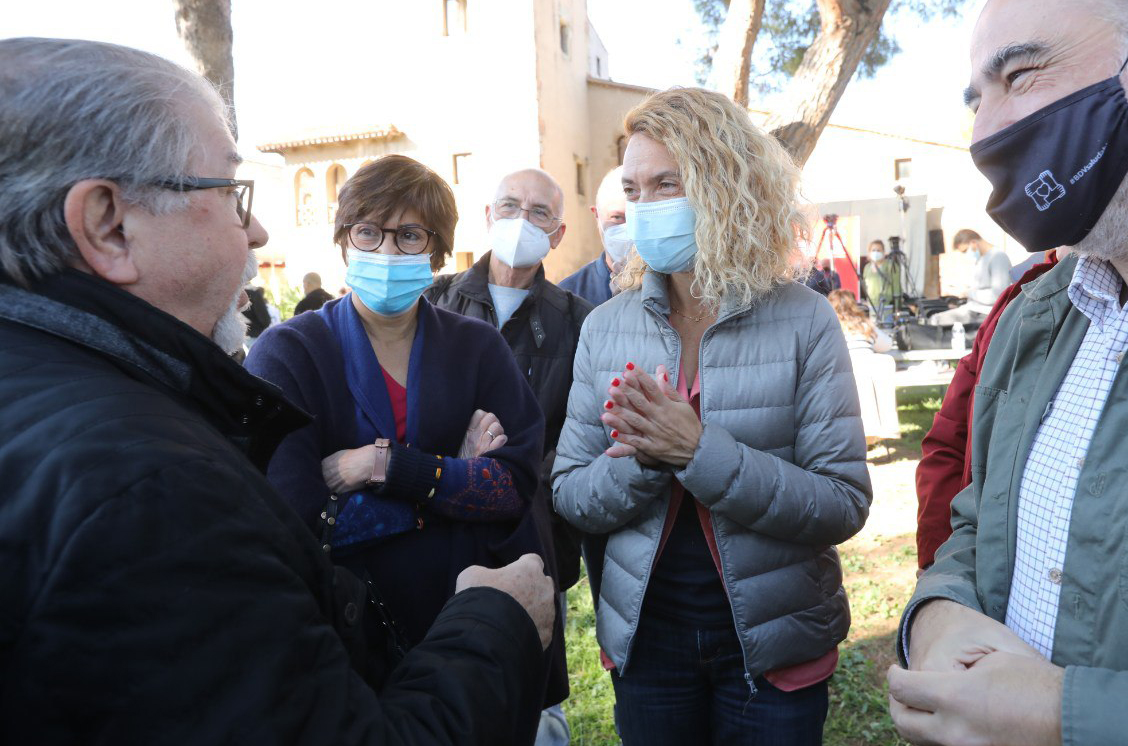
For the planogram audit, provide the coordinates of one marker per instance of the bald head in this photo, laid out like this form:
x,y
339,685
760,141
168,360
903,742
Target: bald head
x,y
610,201
533,181
1027,54
610,196
531,194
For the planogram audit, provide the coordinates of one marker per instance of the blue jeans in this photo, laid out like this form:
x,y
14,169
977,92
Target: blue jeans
x,y
686,685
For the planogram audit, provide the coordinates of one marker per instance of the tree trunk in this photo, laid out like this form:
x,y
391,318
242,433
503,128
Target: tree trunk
x,y
205,28
848,29
737,36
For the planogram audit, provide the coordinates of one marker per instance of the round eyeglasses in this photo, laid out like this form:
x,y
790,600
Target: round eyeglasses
x,y
409,239
539,216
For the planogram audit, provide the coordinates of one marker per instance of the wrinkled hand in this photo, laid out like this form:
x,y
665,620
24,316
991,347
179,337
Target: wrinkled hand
x,y
1002,699
526,582
650,420
484,433
947,636
348,470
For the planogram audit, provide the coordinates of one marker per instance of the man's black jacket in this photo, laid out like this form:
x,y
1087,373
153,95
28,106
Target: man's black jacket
x,y
313,300
543,334
155,589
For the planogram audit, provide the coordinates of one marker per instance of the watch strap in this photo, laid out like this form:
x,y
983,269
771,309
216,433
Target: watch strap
x,y
380,463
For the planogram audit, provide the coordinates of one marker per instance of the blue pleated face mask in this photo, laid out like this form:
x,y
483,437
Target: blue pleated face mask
x,y
663,233
388,284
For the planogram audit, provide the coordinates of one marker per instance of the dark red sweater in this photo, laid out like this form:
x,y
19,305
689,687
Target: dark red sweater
x,y
945,463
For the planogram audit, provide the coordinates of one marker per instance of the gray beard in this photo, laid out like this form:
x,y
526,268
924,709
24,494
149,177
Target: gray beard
x,y
1109,238
230,332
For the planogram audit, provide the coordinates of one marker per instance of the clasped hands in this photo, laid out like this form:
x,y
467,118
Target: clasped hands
x,y
973,681
649,419
349,469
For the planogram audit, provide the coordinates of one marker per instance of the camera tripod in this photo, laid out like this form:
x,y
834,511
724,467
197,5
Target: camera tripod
x,y
829,236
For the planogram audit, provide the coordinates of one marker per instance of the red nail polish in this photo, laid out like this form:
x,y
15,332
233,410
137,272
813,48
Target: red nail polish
x,y
614,433
609,404
630,366
614,381
665,378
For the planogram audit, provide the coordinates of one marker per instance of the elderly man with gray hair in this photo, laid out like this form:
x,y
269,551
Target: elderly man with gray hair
x,y
155,588
1018,634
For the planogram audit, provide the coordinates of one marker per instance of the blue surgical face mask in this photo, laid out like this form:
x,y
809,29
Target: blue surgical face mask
x,y
388,284
663,233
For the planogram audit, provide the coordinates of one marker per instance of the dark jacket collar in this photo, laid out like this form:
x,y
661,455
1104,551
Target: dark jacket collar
x,y
474,284
150,345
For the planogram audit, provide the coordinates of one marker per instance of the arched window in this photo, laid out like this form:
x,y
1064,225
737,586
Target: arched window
x,y
334,179
303,197
621,147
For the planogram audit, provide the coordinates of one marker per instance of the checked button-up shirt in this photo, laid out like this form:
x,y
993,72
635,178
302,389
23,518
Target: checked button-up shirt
x,y
1057,456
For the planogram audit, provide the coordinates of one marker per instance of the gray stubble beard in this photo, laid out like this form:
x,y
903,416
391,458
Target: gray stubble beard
x,y
1108,240
230,332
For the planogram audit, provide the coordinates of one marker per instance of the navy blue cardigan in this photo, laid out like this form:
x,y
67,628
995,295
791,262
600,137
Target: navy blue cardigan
x,y
463,365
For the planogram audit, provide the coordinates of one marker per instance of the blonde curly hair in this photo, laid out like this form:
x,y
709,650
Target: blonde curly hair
x,y
743,186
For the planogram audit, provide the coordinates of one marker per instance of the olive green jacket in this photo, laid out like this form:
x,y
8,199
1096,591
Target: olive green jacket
x,y
1033,347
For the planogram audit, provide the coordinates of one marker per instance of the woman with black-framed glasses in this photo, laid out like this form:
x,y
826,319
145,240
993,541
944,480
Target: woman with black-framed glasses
x,y
423,455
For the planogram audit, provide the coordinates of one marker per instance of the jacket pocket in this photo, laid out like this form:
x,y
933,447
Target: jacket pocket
x,y
988,401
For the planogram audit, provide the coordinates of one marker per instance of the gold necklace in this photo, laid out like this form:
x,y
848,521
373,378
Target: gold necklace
x,y
687,316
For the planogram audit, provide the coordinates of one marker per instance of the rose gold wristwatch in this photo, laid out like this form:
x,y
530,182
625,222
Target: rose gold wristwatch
x,y
380,463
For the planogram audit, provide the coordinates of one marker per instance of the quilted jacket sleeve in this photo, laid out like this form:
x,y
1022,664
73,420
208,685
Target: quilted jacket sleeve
x,y
824,496
592,491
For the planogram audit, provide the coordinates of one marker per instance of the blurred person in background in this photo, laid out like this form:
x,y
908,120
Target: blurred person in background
x,y
315,295
990,278
873,370
594,282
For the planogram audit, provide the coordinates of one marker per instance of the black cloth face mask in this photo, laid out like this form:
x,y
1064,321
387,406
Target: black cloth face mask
x,y
1054,173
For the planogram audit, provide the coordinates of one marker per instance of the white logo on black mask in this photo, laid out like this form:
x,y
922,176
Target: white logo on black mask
x,y
1045,190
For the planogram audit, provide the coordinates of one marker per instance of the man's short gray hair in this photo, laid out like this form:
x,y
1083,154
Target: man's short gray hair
x,y
73,110
1116,11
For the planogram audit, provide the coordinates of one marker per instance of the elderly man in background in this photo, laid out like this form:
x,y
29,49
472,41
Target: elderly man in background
x,y
1017,633
541,323
155,588
594,281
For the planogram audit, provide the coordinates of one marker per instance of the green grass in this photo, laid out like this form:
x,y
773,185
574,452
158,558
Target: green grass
x,y
879,567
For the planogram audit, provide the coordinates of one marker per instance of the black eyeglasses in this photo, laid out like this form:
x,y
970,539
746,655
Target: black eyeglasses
x,y
243,190
409,239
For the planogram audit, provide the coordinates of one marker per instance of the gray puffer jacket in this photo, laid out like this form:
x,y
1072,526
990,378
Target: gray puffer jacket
x,y
780,466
